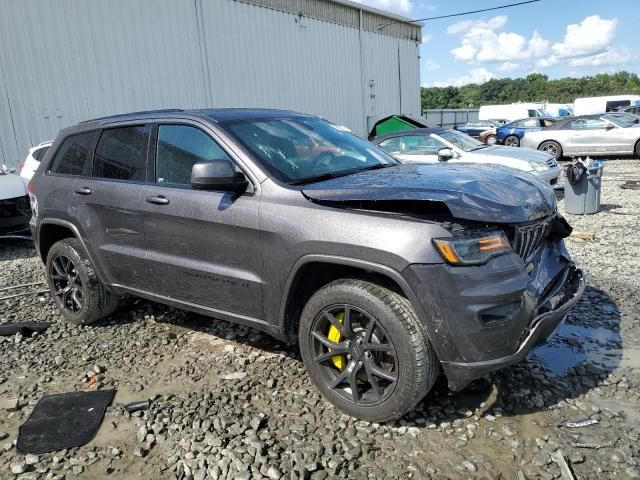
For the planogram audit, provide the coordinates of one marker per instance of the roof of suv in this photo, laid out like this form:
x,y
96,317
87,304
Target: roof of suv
x,y
215,114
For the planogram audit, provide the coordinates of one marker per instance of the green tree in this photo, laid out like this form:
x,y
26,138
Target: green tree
x,y
535,87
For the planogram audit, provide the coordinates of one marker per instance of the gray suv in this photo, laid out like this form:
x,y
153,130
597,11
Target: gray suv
x,y
384,274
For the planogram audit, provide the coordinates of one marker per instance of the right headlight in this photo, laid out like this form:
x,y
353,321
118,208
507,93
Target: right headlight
x,y
472,250
538,166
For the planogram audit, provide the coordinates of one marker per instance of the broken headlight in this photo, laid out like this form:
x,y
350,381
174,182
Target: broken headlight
x,y
472,250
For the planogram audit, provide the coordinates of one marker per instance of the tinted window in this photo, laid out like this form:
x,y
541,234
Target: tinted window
x,y
529,123
391,145
73,154
421,145
121,153
179,148
587,124
38,154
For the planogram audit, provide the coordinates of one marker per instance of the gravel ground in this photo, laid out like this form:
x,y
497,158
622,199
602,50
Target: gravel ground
x,y
229,402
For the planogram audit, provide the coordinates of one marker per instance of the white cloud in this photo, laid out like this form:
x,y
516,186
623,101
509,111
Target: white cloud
x,y
508,67
402,7
482,43
426,38
591,36
538,46
475,75
612,57
430,65
465,25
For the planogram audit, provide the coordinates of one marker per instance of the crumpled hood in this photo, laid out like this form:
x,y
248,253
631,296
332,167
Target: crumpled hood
x,y
12,186
485,193
516,153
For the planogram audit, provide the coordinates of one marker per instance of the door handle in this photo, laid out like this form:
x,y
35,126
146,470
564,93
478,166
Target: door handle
x,y
83,191
159,200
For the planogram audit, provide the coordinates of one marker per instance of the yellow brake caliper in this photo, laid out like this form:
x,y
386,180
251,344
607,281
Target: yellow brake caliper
x,y
334,335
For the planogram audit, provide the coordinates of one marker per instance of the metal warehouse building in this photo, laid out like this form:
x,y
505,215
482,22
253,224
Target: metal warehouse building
x,y
69,60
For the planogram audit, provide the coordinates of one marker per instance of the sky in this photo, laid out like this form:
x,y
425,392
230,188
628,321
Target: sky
x,y
556,37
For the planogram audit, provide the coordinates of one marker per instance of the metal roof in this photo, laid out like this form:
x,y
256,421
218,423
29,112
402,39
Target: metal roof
x,y
347,12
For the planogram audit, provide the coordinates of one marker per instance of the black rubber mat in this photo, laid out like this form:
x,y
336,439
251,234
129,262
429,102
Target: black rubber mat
x,y
25,328
64,420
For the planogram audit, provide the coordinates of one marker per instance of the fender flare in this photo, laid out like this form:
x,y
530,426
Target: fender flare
x,y
350,262
76,234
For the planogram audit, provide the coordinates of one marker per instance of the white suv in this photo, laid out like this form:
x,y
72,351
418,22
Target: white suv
x,y
27,168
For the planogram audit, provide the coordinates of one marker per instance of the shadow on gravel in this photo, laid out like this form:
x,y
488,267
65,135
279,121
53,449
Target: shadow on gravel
x,y
608,207
584,352
16,249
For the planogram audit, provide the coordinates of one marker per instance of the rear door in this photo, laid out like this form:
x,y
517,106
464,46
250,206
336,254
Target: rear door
x,y
204,247
107,205
590,135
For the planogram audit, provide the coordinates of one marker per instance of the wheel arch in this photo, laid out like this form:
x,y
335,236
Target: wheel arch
x,y
52,230
312,272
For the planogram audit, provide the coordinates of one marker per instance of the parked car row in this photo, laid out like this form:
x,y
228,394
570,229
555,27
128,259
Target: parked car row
x,y
613,133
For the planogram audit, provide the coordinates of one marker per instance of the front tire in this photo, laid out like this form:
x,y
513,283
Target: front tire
x,y
365,350
490,140
552,148
74,286
512,141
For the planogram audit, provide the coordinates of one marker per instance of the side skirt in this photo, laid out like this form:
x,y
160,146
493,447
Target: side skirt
x,y
252,322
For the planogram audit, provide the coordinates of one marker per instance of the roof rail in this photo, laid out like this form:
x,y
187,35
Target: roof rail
x,y
143,112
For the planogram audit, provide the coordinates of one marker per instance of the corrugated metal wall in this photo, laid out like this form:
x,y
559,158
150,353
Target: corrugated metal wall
x,y
66,61
445,117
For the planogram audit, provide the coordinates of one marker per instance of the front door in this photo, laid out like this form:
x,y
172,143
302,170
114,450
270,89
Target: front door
x,y
203,246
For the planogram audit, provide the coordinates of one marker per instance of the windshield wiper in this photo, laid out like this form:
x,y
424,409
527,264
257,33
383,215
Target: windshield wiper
x,y
479,147
342,173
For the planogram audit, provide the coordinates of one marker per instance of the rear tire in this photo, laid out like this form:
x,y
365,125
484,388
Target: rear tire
x,y
512,141
74,286
637,149
393,367
552,148
490,140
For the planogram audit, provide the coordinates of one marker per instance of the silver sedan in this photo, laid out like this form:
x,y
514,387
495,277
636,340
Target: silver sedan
x,y
433,145
604,134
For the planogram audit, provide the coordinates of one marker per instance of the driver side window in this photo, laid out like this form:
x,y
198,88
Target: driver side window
x,y
179,148
420,145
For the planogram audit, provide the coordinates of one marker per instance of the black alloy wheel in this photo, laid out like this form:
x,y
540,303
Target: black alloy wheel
x,y
67,284
362,365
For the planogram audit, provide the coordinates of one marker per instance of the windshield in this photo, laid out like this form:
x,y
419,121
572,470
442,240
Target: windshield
x,y
304,149
622,120
460,140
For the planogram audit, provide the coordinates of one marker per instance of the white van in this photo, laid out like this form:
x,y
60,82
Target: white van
x,y
558,109
514,111
589,105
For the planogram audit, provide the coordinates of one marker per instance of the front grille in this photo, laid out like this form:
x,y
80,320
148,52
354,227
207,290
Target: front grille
x,y
528,238
551,162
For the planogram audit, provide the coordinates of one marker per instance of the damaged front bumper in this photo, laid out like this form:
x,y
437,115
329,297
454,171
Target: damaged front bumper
x,y
483,318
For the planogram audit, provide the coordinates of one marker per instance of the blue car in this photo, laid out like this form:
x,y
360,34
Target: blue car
x,y
475,128
511,133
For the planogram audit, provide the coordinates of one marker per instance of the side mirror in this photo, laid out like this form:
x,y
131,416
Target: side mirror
x,y
218,175
445,154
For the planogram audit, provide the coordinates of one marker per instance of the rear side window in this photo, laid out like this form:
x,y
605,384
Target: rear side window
x,y
73,155
179,148
38,154
121,153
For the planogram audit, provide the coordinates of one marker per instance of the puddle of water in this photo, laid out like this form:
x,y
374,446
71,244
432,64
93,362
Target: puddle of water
x,y
573,345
